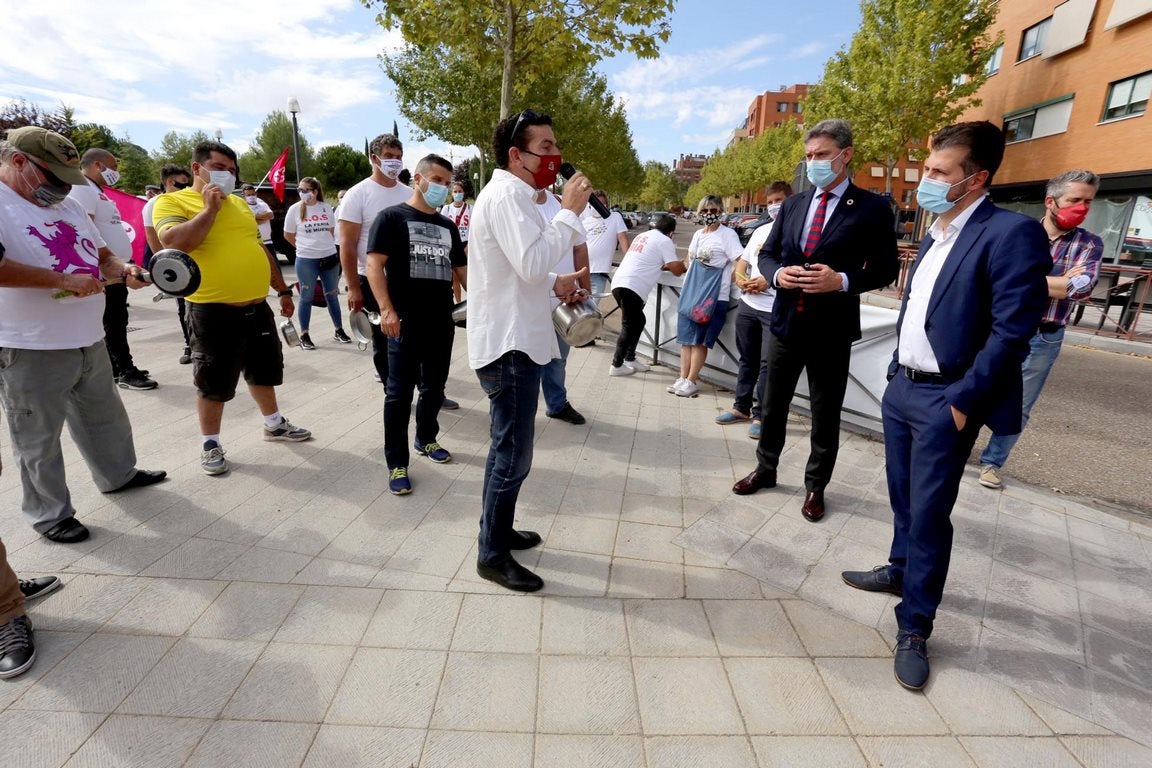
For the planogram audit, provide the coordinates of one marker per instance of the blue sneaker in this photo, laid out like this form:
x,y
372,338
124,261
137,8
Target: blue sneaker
x,y
433,451
754,430
732,416
398,482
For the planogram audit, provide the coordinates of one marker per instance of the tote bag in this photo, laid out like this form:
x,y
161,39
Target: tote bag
x,y
700,292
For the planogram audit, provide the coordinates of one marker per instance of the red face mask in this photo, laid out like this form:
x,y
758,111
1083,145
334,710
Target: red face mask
x,y
545,174
1070,217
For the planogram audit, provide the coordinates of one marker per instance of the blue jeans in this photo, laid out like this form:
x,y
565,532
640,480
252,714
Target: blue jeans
x,y
308,271
512,383
1045,348
599,281
552,380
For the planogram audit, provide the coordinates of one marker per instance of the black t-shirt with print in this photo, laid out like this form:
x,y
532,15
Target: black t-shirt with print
x,y
422,248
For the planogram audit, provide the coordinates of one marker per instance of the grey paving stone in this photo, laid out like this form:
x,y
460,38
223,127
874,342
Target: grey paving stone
x,y
270,565
712,539
456,749
1132,621
655,510
395,688
914,751
51,647
873,703
487,692
241,744
805,541
668,628
746,515
246,611
165,607
335,573
1040,673
44,739
809,751
587,696
642,541
1049,596
719,582
1121,658
784,696
580,533
1062,722
1031,624
588,627
645,578
771,563
825,586
195,679
348,746
695,751
330,616
573,573
1016,751
685,696
197,559
498,624
1124,708
971,704
825,633
290,682
752,628
87,602
407,619
140,742
431,554
1107,751
563,751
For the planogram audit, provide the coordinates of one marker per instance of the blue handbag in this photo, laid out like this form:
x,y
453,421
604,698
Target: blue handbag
x,y
700,292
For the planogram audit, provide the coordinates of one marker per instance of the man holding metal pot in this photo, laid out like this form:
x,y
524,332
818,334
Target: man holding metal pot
x,y
512,251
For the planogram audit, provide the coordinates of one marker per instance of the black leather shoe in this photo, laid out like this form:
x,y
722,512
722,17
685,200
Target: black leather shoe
x,y
69,531
142,478
813,507
911,666
17,647
879,579
569,414
524,540
754,482
510,574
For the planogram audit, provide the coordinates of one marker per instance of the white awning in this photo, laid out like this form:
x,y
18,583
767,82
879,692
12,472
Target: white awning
x,y
1069,27
1124,11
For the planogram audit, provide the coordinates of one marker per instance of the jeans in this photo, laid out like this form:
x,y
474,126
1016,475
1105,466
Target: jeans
x,y
552,380
753,335
512,383
420,357
1045,347
631,324
599,282
307,272
116,328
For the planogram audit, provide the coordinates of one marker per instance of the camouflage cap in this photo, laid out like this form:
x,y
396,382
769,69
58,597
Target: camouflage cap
x,y
52,150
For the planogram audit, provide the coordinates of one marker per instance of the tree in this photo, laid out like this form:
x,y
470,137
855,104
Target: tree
x,y
748,165
913,67
275,134
339,166
136,168
88,135
21,113
531,37
661,188
176,148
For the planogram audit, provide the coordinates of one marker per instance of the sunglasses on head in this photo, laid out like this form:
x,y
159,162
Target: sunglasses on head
x,y
525,114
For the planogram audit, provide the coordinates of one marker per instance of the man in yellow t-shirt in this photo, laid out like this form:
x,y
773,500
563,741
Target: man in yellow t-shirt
x,y
230,325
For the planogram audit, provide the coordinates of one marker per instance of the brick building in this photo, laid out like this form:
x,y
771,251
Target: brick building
x,y
1071,85
687,169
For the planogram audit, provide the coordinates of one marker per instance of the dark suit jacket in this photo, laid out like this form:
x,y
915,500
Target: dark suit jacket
x,y
985,307
859,239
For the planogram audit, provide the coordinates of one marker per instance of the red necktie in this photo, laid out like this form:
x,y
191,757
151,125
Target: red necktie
x,y
813,238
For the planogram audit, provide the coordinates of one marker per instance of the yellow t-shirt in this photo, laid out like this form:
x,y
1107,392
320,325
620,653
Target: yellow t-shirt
x,y
233,264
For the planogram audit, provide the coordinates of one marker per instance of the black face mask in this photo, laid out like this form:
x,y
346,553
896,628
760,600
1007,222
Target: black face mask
x,y
181,185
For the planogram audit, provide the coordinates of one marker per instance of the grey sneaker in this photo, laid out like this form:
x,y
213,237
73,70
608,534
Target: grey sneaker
x,y
212,459
990,477
287,432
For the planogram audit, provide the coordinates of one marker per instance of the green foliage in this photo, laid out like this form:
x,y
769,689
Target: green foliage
x,y
20,113
661,189
275,134
136,168
176,149
339,166
913,67
749,165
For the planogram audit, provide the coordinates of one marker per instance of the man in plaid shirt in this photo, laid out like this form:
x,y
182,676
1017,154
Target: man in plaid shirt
x,y
1076,254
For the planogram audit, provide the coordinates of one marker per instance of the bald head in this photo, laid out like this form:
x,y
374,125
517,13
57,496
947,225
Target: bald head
x,y
97,155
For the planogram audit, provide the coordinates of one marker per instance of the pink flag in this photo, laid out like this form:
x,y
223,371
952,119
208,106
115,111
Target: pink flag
x,y
131,217
276,174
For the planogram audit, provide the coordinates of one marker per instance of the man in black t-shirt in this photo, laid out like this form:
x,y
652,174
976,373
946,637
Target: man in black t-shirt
x,y
413,252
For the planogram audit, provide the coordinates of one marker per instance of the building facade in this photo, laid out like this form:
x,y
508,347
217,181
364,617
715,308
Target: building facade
x,y
688,168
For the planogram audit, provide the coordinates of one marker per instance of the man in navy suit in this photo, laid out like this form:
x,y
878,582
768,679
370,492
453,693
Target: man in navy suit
x,y
975,296
827,247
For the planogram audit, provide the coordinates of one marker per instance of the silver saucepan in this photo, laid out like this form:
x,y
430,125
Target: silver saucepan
x,y
578,323
361,323
460,314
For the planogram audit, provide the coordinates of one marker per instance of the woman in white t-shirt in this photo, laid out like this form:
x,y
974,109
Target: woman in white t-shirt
x,y
715,247
460,212
309,226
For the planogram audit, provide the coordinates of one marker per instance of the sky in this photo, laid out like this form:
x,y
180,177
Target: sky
x,y
146,68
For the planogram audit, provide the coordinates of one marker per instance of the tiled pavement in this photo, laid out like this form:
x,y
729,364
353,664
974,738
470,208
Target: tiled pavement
x,y
294,613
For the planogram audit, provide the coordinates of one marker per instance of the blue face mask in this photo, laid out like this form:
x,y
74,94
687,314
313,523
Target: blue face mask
x,y
932,195
435,195
820,172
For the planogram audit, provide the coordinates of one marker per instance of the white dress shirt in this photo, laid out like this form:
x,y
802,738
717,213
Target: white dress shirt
x,y
512,254
835,193
913,349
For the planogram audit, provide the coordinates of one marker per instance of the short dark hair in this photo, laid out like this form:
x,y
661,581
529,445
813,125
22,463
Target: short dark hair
x,y
247,186
512,132
170,170
983,140
665,223
202,151
385,140
433,159
782,187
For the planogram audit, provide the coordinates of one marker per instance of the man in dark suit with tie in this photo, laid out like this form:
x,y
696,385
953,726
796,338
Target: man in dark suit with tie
x,y
828,246
974,300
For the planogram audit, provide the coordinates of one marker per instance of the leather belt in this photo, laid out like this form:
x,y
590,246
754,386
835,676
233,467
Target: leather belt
x,y
923,377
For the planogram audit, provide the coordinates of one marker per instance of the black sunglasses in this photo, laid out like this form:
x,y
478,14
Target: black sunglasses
x,y
711,210
525,114
181,184
50,177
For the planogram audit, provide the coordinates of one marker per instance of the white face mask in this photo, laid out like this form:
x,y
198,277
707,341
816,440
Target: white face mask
x,y
250,199
308,197
111,176
223,179
391,167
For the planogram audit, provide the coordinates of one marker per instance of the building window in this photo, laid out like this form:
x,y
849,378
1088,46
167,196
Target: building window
x,y
1019,128
1128,97
1032,43
781,106
1041,120
994,62
906,196
798,107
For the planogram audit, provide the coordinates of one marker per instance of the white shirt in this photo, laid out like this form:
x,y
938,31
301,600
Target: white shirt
x,y
314,238
764,300
512,254
360,206
146,213
641,266
567,264
265,227
603,238
460,215
836,193
718,249
61,238
106,217
913,349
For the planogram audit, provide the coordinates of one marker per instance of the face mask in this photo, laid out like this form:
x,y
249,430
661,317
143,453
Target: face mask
x,y
1070,217
110,176
223,179
932,195
774,210
391,167
308,197
545,174
435,194
45,194
250,199
820,172
710,218
458,196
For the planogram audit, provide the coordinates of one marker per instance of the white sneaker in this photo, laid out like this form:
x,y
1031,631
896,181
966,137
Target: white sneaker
x,y
620,370
686,389
671,388
637,366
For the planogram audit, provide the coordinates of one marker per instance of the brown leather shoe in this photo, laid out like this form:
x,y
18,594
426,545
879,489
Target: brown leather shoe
x,y
813,509
754,482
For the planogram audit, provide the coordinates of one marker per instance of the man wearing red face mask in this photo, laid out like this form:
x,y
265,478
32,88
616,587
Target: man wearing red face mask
x,y
1076,256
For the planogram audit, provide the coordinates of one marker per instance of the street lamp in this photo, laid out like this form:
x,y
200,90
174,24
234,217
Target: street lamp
x,y
219,134
294,107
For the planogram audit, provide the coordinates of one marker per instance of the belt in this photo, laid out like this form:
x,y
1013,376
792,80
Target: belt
x,y
1049,327
923,377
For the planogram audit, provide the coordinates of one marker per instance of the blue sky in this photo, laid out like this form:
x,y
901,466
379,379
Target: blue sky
x,y
146,68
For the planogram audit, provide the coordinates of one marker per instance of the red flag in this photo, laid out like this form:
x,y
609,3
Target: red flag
x,y
131,210
276,174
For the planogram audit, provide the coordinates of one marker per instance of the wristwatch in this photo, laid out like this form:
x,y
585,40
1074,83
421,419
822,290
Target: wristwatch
x,y
284,293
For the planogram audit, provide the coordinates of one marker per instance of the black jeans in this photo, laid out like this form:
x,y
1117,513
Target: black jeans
x,y
631,324
420,357
379,340
753,333
116,328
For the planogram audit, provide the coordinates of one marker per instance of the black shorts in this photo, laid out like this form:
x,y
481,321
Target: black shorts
x,y
226,340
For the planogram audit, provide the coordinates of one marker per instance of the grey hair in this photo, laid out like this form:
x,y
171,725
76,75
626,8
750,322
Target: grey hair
x,y
709,200
1059,185
836,129
6,151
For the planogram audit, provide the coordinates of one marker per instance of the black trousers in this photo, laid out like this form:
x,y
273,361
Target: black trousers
x,y
631,324
379,339
753,337
420,358
826,361
116,328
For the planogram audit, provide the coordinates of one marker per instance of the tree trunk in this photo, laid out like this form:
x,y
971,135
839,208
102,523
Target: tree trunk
x,y
509,60
888,174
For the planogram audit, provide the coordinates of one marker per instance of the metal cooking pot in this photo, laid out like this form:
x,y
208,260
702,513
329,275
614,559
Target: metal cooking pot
x,y
361,323
460,314
173,272
578,323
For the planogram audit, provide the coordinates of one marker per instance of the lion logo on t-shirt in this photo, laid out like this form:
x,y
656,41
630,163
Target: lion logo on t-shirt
x,y
65,246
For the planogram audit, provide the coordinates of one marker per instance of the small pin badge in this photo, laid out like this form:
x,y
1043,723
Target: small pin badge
x,y
850,200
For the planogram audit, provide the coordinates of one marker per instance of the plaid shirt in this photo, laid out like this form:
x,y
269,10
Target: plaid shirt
x,y
1073,248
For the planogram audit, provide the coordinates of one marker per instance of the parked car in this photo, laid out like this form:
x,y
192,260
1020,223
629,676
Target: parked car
x,y
744,231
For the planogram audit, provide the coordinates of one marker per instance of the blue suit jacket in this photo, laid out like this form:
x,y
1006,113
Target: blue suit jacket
x,y
984,309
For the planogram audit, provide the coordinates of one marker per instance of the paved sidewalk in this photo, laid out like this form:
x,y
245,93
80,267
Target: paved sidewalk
x,y
294,613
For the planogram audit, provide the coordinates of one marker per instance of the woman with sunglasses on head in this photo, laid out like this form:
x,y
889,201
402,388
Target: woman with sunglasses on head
x,y
309,226
704,299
